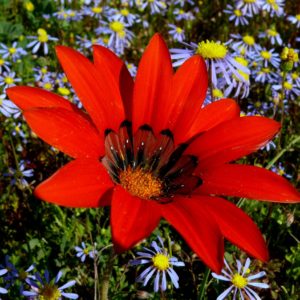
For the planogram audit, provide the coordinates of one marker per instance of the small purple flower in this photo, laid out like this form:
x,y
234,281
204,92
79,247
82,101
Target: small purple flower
x,y
84,251
240,281
161,265
44,288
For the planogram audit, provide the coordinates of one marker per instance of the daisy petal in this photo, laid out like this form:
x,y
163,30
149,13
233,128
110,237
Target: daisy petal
x,y
225,293
117,75
256,276
249,182
232,140
152,82
103,104
27,97
132,219
189,86
200,231
66,130
212,115
259,285
80,183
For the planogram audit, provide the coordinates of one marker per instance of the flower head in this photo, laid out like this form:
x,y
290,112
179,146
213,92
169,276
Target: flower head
x,y
241,281
46,289
154,127
161,265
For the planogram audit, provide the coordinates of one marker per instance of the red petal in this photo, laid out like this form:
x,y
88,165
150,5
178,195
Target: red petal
x,y
65,130
132,219
80,183
198,228
115,69
26,97
152,84
232,139
236,226
188,91
97,93
212,115
249,182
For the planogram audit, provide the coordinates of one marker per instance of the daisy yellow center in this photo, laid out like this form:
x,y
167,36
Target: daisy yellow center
x,y
140,183
97,10
217,93
239,281
86,251
244,63
266,55
298,17
249,40
48,86
161,262
211,50
179,30
1,62
281,172
8,80
294,75
266,70
237,12
72,13
249,1
29,6
12,50
64,91
42,35
181,11
117,26
49,292
287,85
124,12
22,274
272,32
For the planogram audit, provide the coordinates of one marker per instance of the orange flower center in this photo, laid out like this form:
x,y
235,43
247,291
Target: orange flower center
x,y
140,183
149,166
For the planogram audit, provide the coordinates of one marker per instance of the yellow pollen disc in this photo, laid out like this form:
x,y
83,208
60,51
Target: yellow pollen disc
x,y
294,75
179,30
298,17
86,251
241,60
281,172
237,12
8,80
12,50
97,10
116,26
287,85
271,1
42,35
48,86
64,91
72,13
124,12
265,70
272,32
1,62
217,93
29,6
239,281
140,183
211,50
49,292
161,262
249,1
249,40
266,55
181,11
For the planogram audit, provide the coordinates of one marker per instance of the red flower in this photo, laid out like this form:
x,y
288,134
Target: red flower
x,y
150,150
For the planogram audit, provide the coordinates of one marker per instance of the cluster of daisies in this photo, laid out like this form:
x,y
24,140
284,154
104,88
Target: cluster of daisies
x,y
34,285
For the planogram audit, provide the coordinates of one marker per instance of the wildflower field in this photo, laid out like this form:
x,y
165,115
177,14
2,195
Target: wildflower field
x,y
149,149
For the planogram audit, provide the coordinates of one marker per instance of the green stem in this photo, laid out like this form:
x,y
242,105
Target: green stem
x,y
282,108
106,276
204,284
274,160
